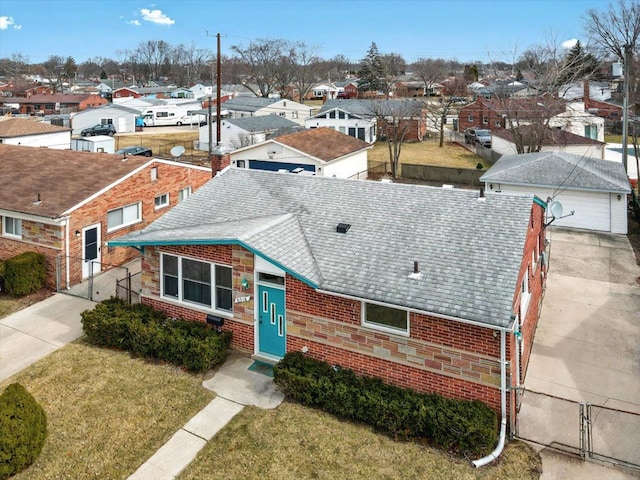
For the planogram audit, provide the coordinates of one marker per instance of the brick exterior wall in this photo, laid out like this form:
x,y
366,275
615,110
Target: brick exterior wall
x,y
50,240
454,359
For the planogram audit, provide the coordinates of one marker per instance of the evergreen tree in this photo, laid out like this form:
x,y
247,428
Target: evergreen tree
x,y
371,73
578,64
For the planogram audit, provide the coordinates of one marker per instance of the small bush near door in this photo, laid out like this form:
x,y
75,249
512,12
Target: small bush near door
x,y
23,430
146,332
24,273
459,425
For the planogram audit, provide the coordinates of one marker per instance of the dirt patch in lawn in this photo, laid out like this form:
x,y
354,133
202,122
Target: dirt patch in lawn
x,y
161,144
9,304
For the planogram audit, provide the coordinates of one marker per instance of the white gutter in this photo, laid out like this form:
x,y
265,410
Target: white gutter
x,y
503,404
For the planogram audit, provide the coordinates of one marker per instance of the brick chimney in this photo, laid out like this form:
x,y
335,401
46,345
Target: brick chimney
x,y
219,162
586,95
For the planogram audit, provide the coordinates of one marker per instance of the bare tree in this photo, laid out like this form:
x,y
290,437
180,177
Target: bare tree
x,y
263,58
153,54
438,110
395,118
430,71
15,65
305,64
393,66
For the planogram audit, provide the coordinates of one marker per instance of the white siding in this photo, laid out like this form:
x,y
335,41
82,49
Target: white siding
x,y
618,213
124,122
57,140
346,167
593,210
232,136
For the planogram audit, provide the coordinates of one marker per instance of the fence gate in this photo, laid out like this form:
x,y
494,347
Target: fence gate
x,y
592,432
97,286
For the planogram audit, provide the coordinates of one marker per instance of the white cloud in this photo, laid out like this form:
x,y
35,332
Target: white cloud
x,y
6,22
135,22
570,43
156,16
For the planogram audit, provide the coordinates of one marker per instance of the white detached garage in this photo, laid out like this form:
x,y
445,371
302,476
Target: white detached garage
x,y
596,190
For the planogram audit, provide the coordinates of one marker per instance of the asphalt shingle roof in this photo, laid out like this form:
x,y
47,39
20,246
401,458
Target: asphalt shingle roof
x,y
62,178
19,127
553,169
248,104
323,143
262,123
469,251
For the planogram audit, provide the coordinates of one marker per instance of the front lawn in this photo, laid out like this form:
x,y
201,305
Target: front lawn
x,y
107,412
294,442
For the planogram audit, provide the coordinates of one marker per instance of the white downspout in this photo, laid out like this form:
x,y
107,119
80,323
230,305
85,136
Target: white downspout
x,y
503,405
66,247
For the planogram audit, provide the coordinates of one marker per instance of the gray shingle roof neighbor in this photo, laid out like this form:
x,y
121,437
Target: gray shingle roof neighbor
x,y
469,251
262,123
553,169
369,108
248,104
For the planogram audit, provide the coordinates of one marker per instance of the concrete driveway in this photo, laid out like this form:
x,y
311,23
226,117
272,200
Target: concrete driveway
x,y
34,332
586,348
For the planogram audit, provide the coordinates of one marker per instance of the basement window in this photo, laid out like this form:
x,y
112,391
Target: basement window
x,y
388,319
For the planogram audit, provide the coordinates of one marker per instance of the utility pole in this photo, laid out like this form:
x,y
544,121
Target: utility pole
x,y
625,107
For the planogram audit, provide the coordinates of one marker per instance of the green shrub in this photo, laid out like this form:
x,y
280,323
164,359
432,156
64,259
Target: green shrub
x,y
23,430
479,166
24,273
146,332
459,425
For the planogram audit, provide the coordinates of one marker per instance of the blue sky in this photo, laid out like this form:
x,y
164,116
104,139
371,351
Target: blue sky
x,y
467,30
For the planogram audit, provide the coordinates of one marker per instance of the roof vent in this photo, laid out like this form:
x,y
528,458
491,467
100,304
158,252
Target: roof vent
x,y
343,227
447,186
416,274
482,198
38,201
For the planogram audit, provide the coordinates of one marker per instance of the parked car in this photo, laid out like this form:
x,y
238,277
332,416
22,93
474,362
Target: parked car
x,y
135,151
480,136
106,129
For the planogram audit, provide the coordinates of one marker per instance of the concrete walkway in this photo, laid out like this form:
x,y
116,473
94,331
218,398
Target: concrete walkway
x,y
586,348
34,332
236,387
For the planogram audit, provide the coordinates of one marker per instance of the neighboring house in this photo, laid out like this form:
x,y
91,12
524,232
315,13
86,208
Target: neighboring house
x,y
241,107
52,104
241,132
409,89
578,121
200,90
596,190
126,92
28,133
347,88
320,151
97,144
120,116
355,122
369,117
495,113
503,142
433,289
321,91
67,204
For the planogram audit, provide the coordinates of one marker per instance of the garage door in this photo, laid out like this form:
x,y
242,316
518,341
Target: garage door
x,y
592,209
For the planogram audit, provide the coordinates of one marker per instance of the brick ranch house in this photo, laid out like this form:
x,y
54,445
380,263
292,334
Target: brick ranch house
x,y
428,288
66,204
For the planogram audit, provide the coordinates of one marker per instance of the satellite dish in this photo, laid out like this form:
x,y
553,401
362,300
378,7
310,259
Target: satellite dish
x,y
556,209
177,151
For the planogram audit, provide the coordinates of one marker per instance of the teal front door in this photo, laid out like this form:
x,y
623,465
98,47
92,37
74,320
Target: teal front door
x,y
271,321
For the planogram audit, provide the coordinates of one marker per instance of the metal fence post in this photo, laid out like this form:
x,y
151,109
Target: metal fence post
x,y
582,431
589,432
90,283
58,266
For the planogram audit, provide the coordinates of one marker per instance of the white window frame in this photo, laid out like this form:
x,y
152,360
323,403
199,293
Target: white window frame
x,y
184,193
125,223
383,328
15,222
214,285
163,203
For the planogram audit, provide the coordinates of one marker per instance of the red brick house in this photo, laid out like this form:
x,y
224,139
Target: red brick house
x,y
126,92
428,288
493,114
67,204
52,104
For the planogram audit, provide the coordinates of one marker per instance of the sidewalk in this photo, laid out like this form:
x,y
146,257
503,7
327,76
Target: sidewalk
x,y
34,332
236,387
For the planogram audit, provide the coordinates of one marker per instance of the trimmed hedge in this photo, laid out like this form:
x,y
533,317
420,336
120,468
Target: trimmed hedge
x,y
23,430
468,427
24,273
146,332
